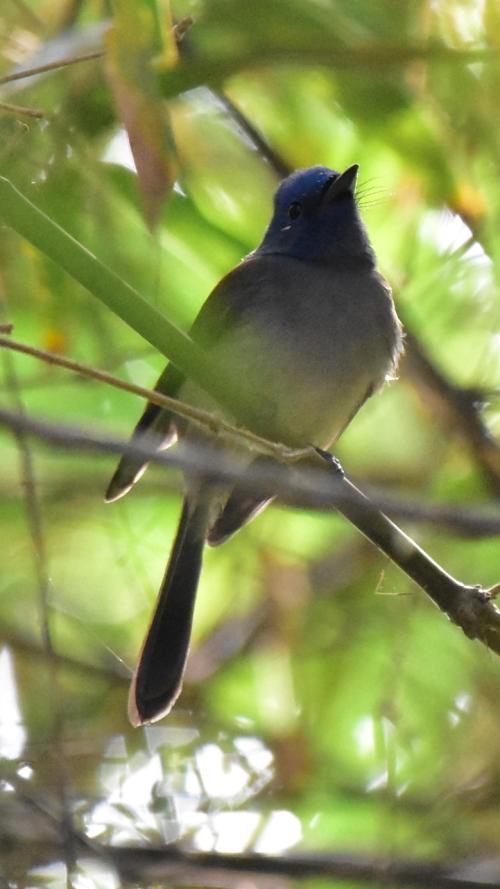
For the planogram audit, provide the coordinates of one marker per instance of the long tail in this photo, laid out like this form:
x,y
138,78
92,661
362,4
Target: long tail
x,y
157,678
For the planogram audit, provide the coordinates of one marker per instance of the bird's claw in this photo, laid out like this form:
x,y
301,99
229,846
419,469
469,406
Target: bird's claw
x,y
331,460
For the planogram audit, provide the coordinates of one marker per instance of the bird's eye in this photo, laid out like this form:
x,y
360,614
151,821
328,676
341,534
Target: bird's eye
x,y
294,210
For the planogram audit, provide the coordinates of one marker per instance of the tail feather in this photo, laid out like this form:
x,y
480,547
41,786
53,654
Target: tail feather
x,y
157,678
241,506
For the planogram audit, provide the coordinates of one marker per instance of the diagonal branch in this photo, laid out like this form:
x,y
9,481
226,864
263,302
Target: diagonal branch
x,y
50,66
310,484
462,520
180,408
457,407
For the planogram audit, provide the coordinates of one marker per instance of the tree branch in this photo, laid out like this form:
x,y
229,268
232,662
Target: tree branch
x,y
51,66
308,483
180,408
163,863
455,406
160,864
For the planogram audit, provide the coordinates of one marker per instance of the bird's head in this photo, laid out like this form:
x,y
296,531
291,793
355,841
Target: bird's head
x,y
316,218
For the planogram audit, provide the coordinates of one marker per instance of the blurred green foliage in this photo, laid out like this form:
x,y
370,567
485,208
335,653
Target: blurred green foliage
x,y
328,706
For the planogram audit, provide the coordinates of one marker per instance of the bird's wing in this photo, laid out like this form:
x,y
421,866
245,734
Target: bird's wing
x,y
216,318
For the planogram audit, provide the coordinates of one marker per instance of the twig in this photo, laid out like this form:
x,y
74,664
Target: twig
x,y
470,607
21,110
177,407
309,485
180,29
464,521
457,406
51,66
278,164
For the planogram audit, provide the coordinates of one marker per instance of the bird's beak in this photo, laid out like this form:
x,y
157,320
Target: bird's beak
x,y
343,184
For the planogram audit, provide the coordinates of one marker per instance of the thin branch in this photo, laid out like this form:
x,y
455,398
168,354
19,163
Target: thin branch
x,y
179,29
455,406
180,408
158,864
22,111
463,520
306,490
172,864
51,66
309,485
278,164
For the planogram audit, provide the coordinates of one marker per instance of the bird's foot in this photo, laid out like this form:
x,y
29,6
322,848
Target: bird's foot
x,y
331,460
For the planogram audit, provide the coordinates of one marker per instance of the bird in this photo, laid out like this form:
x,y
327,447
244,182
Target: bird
x,y
307,321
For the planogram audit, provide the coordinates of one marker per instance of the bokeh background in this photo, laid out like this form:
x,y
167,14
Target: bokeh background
x,y
328,707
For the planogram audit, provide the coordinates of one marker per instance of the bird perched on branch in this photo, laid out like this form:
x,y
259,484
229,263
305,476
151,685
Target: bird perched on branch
x,y
308,324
